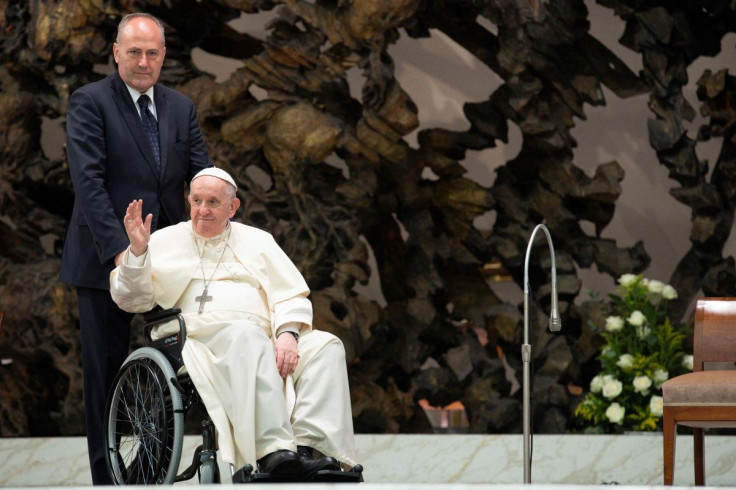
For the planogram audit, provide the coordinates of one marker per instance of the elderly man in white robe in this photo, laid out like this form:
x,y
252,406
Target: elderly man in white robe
x,y
275,389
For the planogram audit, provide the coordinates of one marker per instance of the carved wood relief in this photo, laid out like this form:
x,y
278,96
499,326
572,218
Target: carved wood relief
x,y
425,342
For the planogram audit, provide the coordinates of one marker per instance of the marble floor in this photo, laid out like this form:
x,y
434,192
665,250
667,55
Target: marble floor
x,y
452,461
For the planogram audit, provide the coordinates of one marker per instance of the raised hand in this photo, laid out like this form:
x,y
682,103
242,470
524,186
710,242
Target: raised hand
x,y
139,231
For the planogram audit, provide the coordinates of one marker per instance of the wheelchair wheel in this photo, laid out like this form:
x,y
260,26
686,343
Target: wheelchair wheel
x,y
145,421
208,472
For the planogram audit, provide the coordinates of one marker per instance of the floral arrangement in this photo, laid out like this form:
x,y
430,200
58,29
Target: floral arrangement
x,y
642,350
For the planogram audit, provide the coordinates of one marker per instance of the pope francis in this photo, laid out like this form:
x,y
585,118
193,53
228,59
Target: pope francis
x,y
275,388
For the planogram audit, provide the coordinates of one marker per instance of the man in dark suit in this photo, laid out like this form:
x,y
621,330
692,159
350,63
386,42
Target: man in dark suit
x,y
121,147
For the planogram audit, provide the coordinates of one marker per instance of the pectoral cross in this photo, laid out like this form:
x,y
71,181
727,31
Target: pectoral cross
x,y
202,300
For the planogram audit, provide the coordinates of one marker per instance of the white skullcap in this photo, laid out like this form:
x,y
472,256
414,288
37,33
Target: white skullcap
x,y
217,172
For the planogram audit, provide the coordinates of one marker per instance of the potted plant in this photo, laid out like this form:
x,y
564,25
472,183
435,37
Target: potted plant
x,y
642,350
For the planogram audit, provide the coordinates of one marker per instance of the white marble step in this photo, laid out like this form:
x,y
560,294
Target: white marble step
x,y
449,459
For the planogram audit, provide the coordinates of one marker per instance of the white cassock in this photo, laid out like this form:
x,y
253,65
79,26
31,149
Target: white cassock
x,y
229,354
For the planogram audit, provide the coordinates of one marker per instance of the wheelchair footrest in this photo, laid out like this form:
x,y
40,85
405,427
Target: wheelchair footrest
x,y
327,476
246,475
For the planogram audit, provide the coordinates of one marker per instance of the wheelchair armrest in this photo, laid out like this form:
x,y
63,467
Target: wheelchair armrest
x,y
157,317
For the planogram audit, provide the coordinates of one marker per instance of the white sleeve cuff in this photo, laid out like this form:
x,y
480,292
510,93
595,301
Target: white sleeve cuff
x,y
292,327
131,260
295,310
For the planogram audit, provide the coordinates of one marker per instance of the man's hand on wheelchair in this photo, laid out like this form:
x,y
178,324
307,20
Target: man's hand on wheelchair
x,y
138,230
287,353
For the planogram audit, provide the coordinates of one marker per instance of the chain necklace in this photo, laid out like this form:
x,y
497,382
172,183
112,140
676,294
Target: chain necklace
x,y
204,298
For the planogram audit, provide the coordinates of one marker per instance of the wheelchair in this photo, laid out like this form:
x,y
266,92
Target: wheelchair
x,y
145,419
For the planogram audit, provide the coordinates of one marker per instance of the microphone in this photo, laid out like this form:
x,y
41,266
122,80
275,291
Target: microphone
x,y
526,349
555,324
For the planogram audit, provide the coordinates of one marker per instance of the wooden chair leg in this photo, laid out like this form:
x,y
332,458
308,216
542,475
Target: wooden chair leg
x,y
669,435
699,456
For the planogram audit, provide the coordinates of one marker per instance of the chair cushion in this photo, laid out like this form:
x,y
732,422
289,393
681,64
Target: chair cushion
x,y
702,388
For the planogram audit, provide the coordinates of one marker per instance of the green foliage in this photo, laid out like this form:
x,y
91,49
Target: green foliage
x,y
642,350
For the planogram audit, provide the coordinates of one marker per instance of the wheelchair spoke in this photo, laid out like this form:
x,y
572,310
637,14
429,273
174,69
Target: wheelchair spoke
x,y
141,440
140,407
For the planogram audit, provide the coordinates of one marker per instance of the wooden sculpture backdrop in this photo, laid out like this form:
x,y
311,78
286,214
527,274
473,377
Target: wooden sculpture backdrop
x,y
429,255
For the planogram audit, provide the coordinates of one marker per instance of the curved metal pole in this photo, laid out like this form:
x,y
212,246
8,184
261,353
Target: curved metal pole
x,y
526,348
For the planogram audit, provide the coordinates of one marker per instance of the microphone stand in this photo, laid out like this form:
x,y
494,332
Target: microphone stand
x,y
526,349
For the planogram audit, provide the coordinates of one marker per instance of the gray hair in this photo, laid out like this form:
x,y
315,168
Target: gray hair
x,y
136,15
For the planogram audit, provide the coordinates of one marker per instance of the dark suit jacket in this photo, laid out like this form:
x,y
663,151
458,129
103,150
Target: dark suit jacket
x,y
111,164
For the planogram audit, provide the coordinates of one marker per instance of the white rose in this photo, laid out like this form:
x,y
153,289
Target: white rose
x,y
642,332
668,292
627,280
614,323
596,384
615,413
625,361
655,286
637,318
659,377
612,388
687,361
642,384
656,405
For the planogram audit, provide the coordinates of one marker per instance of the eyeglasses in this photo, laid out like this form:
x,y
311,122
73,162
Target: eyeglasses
x,y
198,202
135,54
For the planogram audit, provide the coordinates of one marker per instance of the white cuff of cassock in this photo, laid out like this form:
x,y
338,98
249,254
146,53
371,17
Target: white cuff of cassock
x,y
294,310
292,327
131,260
